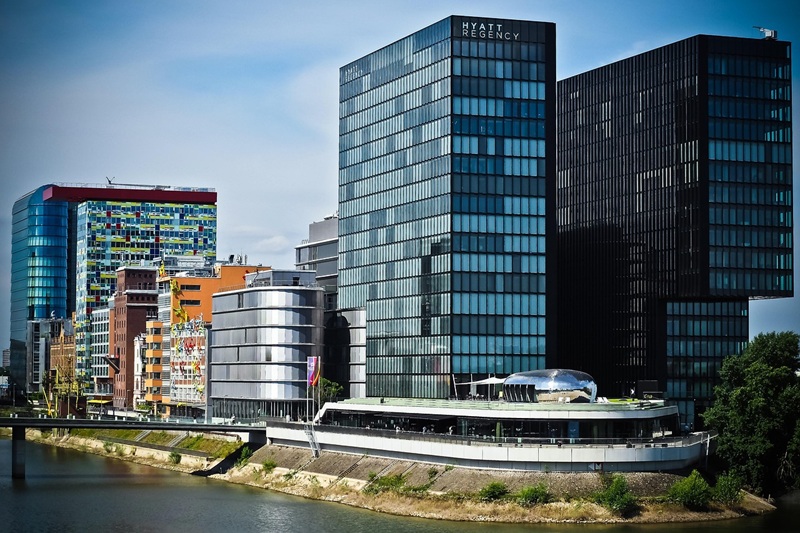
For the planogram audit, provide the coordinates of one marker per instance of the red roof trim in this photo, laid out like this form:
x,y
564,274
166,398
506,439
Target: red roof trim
x,y
82,194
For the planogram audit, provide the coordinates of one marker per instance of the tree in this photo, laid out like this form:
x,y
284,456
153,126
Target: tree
x,y
329,390
757,411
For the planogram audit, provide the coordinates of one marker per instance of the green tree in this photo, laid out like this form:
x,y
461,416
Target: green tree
x,y
756,411
329,390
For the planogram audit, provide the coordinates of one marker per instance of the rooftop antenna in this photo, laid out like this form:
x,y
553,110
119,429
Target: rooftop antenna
x,y
110,179
770,35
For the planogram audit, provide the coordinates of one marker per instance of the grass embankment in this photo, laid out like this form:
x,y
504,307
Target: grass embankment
x,y
453,493
122,444
214,448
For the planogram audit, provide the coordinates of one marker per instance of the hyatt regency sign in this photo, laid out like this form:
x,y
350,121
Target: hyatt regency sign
x,y
484,30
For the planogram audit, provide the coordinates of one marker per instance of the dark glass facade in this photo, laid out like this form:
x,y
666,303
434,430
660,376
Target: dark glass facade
x,y
674,209
446,200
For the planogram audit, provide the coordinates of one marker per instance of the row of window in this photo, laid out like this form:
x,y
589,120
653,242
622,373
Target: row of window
x,y
497,107
681,368
749,173
496,243
495,50
711,326
680,388
506,127
478,303
749,109
509,166
508,263
745,281
504,224
268,298
749,130
500,69
704,347
754,237
502,185
751,216
473,325
749,88
751,67
725,193
746,258
483,145
500,205
748,152
409,386
498,345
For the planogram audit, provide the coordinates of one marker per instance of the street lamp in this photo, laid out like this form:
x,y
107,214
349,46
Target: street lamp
x,y
126,404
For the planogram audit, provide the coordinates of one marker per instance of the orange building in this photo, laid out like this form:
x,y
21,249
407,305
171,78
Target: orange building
x,y
175,357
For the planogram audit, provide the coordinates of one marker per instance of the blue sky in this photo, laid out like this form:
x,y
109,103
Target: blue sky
x,y
242,96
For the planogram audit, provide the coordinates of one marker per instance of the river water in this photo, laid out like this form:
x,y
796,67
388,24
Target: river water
x,y
66,491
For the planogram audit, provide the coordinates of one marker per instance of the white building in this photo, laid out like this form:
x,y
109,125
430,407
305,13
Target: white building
x,y
261,341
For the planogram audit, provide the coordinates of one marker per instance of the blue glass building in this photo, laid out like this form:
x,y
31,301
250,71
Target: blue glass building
x,y
446,203
674,209
40,277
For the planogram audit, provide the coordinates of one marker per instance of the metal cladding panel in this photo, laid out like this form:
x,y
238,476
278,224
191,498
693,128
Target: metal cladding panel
x,y
81,194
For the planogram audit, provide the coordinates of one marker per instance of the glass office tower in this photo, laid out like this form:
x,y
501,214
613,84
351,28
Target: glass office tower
x,y
39,271
446,196
674,209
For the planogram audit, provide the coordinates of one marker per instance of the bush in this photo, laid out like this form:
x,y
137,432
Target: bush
x,y
536,494
268,466
728,490
174,457
108,446
495,490
244,456
692,492
616,497
378,484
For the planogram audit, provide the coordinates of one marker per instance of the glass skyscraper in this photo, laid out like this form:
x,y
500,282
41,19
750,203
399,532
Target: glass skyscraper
x,y
446,202
69,240
674,209
40,277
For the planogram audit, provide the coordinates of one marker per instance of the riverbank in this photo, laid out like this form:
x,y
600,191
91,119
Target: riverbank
x,y
433,491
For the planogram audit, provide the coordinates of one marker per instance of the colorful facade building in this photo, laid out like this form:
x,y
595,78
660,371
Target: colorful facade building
x,y
176,339
69,240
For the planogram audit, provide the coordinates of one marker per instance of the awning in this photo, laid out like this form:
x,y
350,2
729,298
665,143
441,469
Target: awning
x,y
488,381
100,402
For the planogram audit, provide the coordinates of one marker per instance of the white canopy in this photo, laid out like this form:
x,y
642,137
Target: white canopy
x,y
488,381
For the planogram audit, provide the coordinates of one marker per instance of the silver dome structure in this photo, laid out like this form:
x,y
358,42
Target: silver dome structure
x,y
551,385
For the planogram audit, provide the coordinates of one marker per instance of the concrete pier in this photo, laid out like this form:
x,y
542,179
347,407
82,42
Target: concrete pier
x,y
18,452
